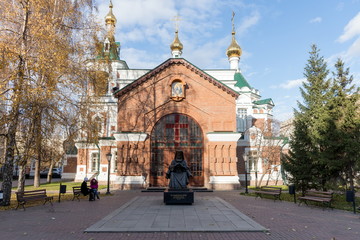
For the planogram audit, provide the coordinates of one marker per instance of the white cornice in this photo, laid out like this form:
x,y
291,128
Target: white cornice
x,y
107,142
130,137
80,145
223,136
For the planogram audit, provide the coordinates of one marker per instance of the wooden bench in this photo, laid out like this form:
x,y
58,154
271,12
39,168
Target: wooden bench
x,y
35,195
77,192
271,191
317,196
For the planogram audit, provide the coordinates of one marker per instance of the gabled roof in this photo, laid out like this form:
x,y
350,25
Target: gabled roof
x,y
240,81
264,101
176,61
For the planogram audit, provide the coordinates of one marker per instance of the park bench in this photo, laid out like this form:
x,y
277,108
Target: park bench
x,y
271,191
35,195
317,196
76,193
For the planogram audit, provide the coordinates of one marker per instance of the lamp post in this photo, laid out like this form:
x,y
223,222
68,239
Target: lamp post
x,y
246,184
108,157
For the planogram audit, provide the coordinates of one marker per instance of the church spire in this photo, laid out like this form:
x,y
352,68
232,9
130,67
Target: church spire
x,y
110,20
176,46
234,50
110,49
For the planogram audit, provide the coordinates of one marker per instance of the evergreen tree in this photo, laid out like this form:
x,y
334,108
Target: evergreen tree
x,y
306,162
298,161
344,134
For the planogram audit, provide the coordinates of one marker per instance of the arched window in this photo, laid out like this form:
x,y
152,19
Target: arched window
x,y
176,132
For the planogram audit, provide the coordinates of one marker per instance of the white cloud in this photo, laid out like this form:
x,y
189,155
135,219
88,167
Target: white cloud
x,y
144,13
292,83
283,112
356,80
248,22
284,115
354,49
140,59
340,6
352,29
316,20
199,53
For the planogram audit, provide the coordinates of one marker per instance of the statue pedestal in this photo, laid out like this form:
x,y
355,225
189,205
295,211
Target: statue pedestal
x,y
178,196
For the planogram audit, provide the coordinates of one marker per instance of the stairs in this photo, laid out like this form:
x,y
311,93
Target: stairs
x,y
162,189
154,189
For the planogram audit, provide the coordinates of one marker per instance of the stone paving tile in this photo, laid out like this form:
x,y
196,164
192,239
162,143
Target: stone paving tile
x,y
285,221
181,217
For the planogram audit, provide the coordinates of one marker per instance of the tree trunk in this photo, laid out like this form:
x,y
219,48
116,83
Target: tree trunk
x,y
262,177
21,179
351,178
49,176
38,147
14,114
9,163
277,177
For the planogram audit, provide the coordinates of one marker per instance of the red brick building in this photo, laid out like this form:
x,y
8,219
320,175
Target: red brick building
x,y
214,116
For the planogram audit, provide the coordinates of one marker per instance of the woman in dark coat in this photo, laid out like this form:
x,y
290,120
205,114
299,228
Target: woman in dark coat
x,y
84,188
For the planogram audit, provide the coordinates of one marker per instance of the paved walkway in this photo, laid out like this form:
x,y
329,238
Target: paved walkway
x,y
285,220
150,214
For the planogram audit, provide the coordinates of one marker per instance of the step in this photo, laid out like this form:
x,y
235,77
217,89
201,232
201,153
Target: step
x,y
162,189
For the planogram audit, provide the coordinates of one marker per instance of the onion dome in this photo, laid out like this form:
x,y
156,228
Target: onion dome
x,y
234,50
110,17
176,45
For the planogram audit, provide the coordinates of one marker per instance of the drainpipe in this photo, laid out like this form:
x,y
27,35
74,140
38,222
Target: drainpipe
x,y
98,164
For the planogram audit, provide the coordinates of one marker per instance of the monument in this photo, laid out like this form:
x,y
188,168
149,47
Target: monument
x,y
179,174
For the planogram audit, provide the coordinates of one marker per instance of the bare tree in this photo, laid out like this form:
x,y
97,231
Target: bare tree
x,y
265,149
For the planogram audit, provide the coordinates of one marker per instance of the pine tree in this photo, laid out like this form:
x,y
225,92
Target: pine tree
x,y
306,162
344,134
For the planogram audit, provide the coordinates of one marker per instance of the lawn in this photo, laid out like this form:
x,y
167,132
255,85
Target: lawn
x,y
56,186
52,189
339,199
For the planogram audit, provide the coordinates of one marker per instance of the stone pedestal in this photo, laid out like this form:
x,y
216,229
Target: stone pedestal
x,y
178,197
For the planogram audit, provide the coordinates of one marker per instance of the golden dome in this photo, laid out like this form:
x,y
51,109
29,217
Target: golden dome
x,y
176,44
234,50
110,18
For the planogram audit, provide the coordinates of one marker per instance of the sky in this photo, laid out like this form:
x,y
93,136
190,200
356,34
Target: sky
x,y
275,36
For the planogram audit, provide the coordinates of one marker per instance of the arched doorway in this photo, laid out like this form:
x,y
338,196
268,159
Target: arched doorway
x,y
176,132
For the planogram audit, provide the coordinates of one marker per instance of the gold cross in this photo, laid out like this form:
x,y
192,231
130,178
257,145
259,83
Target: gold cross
x,y
232,20
177,19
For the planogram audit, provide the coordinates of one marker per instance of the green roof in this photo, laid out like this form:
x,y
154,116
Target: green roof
x,y
264,101
106,138
240,81
112,54
285,140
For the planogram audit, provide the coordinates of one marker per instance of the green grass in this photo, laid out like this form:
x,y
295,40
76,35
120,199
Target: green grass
x,y
52,189
339,200
56,186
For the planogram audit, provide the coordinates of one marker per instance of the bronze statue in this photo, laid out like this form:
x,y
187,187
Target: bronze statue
x,y
178,172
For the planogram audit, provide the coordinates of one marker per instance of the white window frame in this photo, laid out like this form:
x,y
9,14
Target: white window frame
x,y
241,119
97,161
114,160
